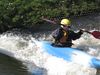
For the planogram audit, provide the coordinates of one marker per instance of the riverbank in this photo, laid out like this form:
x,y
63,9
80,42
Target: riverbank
x,y
89,22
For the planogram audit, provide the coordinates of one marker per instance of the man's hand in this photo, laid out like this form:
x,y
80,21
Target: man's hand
x,y
82,30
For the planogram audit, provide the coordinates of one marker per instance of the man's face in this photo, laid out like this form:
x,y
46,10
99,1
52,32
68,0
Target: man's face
x,y
66,27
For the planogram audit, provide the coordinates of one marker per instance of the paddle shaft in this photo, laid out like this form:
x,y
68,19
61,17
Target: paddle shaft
x,y
96,34
53,22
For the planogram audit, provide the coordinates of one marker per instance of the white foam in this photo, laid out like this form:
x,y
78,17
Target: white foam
x,y
39,62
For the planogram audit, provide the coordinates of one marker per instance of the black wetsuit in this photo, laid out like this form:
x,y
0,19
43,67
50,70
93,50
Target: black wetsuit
x,y
71,35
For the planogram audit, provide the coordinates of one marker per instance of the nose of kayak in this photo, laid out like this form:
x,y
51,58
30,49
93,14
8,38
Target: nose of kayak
x,y
96,63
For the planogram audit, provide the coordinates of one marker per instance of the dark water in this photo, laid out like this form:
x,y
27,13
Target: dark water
x,y
89,22
11,66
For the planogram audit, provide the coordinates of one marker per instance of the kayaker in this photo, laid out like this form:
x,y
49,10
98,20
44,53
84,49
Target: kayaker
x,y
63,36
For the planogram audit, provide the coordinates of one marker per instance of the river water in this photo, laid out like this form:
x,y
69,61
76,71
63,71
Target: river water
x,y
19,55
11,66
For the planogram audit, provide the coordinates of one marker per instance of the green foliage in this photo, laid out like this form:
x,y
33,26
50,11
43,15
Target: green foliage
x,y
28,13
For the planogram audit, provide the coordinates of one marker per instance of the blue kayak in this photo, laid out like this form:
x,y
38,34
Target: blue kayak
x,y
71,55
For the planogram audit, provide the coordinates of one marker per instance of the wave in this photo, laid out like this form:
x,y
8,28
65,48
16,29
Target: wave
x,y
28,50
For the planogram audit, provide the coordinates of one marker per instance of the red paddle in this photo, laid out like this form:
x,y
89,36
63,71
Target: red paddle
x,y
96,34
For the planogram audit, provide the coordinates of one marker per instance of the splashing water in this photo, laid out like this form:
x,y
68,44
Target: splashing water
x,y
39,62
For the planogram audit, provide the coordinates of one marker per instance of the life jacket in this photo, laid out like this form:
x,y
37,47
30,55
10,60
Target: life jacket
x,y
64,38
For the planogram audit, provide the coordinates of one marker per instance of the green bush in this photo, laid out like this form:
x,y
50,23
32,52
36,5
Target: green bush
x,y
28,13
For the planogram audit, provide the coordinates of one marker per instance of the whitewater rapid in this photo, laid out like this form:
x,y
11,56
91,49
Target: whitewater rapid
x,y
29,51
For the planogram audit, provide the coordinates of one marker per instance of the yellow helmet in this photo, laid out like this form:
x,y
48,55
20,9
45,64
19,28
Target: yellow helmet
x,y
65,22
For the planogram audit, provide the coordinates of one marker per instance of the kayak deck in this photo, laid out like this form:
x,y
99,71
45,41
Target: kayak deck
x,y
71,55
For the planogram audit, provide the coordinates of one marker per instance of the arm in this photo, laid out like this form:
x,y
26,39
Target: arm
x,y
57,34
76,35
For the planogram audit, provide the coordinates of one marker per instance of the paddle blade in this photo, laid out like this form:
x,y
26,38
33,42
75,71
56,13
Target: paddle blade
x,y
96,34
